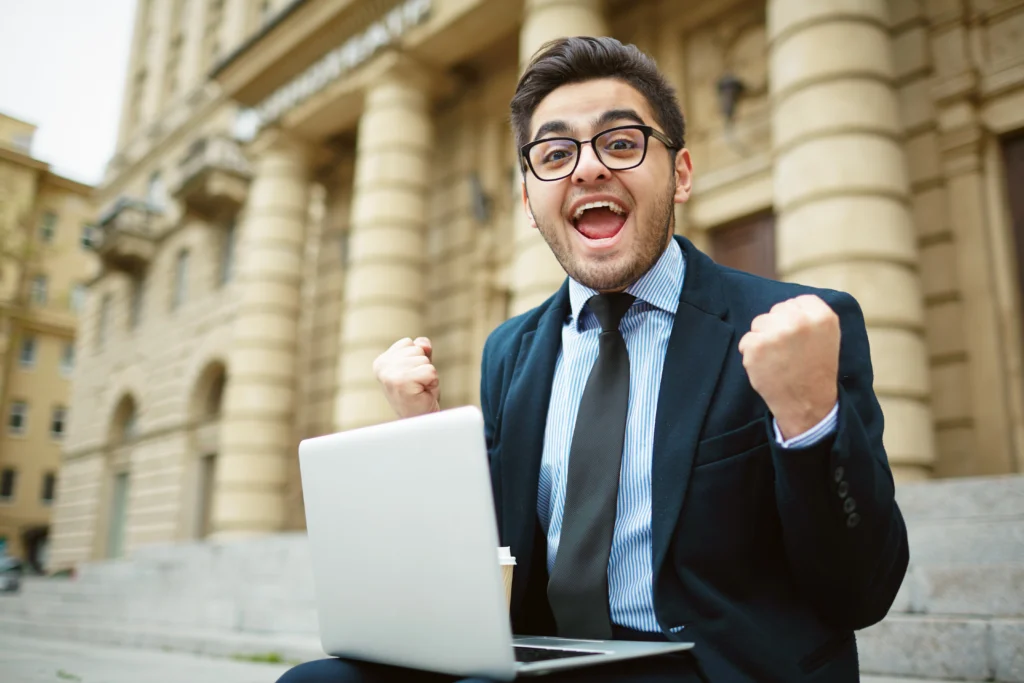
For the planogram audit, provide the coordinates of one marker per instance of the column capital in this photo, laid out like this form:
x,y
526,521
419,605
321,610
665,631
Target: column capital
x,y
396,67
276,139
786,16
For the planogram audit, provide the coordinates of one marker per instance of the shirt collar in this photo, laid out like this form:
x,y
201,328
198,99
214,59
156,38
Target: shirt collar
x,y
660,286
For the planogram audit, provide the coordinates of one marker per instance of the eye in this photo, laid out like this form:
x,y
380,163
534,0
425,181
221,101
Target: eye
x,y
553,153
556,155
621,144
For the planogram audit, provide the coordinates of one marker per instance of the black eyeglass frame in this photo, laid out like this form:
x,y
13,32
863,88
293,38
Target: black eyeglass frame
x,y
648,132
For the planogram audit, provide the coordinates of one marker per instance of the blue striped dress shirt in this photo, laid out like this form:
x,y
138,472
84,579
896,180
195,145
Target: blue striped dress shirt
x,y
646,328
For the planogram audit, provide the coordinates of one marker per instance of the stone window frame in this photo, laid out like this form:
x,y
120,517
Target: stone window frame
x,y
58,418
8,481
19,409
28,352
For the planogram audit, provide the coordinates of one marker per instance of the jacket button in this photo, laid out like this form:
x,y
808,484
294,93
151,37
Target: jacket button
x,y
849,505
843,489
839,474
853,520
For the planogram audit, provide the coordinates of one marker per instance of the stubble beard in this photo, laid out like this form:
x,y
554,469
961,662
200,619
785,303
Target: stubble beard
x,y
622,271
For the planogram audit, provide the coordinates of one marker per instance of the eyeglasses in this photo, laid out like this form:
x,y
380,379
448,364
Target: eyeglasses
x,y
619,149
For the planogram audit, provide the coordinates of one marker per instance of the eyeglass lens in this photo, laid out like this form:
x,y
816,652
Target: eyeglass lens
x,y
617,149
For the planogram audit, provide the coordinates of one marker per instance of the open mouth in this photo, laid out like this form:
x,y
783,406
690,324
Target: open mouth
x,y
600,220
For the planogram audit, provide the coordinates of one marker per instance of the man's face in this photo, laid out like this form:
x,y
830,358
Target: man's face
x,y
611,245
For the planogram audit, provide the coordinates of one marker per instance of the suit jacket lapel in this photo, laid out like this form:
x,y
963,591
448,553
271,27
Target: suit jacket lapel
x,y
525,418
696,350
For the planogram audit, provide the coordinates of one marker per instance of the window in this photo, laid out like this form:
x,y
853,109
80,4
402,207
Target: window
x,y
128,427
40,286
88,237
48,227
77,299
155,192
67,358
135,314
180,279
17,421
49,488
227,254
8,479
104,322
27,355
58,422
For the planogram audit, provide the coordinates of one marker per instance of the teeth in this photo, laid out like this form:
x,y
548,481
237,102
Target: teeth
x,y
598,205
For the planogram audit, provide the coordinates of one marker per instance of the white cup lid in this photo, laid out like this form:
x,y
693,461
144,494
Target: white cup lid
x,y
505,556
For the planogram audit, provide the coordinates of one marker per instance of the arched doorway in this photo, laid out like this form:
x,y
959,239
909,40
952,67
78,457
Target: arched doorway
x,y
205,410
120,439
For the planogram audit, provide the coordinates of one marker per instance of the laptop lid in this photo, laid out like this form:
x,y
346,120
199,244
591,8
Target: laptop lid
x,y
403,541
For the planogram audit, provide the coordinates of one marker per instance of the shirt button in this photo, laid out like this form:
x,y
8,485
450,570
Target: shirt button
x,y
850,505
843,489
853,520
839,474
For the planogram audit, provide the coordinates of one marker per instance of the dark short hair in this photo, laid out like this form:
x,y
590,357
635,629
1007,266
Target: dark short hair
x,y
583,58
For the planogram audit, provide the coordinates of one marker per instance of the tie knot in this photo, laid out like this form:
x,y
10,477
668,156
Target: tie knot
x,y
609,309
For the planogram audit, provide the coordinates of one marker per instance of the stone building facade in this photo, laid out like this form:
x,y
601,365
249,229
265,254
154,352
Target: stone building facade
x,y
45,263
298,184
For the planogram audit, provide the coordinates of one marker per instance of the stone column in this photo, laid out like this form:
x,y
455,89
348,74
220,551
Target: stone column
x,y
257,436
842,196
384,283
535,274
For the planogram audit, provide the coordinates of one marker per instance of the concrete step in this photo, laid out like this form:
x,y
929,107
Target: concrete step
x,y
961,499
183,611
994,590
211,642
959,648
966,541
292,649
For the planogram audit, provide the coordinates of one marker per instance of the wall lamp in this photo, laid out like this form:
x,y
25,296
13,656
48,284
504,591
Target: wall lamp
x,y
730,89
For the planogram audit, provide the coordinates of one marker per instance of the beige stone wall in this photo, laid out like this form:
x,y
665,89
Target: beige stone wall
x,y
419,260
158,364
29,191
966,266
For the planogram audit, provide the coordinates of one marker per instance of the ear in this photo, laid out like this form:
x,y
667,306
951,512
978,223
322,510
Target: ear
x,y
684,176
528,208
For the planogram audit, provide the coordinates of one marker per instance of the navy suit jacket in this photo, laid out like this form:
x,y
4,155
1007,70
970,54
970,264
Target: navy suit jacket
x,y
757,552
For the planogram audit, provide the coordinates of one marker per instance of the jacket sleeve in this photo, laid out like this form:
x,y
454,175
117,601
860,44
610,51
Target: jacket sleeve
x,y
490,386
844,534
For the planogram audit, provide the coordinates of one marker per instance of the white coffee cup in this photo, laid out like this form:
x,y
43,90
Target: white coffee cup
x,y
508,564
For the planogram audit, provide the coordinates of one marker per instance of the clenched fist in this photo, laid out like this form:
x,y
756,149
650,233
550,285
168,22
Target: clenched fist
x,y
791,356
409,377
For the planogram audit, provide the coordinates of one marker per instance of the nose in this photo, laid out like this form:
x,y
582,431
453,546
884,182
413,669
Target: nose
x,y
589,169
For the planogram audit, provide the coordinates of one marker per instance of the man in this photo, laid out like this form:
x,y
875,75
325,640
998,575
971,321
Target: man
x,y
678,450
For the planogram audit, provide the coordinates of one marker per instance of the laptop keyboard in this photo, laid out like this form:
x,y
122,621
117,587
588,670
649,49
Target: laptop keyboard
x,y
526,654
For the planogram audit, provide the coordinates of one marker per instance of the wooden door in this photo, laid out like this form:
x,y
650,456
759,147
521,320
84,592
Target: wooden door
x,y
747,244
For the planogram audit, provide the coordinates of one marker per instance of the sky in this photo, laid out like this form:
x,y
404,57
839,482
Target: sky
x,y
62,67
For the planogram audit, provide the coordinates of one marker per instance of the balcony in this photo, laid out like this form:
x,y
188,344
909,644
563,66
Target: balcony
x,y
213,178
125,236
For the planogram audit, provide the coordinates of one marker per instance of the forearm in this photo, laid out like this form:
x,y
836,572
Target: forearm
x,y
843,532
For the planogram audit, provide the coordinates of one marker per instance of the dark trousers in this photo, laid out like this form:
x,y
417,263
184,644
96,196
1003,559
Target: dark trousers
x,y
670,668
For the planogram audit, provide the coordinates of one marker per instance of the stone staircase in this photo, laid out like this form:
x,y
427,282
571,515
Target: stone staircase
x,y
958,617
960,612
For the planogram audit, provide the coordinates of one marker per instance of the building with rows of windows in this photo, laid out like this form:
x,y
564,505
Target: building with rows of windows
x,y
45,266
299,183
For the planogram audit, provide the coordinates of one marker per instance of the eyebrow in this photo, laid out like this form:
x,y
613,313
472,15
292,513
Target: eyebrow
x,y
560,127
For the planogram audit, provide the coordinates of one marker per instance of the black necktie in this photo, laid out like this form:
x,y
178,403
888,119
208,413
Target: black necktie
x,y
578,586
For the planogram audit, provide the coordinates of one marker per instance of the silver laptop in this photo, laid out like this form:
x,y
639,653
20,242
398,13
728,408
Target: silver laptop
x,y
404,541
